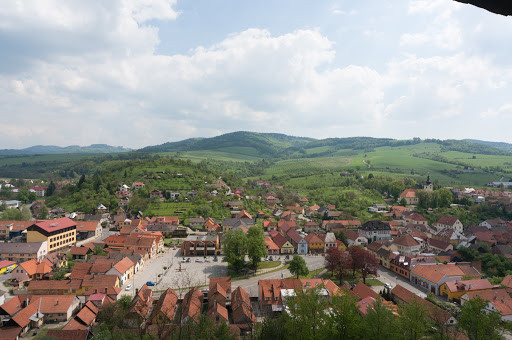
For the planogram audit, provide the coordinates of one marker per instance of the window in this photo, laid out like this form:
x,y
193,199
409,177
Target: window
x,y
276,298
267,298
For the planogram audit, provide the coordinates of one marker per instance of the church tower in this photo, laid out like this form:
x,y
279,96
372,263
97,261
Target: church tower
x,y
428,186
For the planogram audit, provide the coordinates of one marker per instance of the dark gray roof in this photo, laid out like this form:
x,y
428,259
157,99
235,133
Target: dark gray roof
x,y
375,225
196,220
20,248
117,256
162,228
235,222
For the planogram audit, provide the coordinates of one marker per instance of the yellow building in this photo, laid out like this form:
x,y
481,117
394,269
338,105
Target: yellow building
x,y
341,246
315,243
59,234
453,290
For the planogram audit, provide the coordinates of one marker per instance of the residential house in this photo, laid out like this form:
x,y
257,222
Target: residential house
x,y
363,291
192,306
124,270
448,222
272,293
155,193
315,243
311,227
20,252
146,244
272,248
27,318
196,221
410,196
355,238
217,313
80,253
84,319
217,295
452,236
375,230
497,300
407,245
88,229
330,241
285,247
242,310
138,185
298,242
437,246
453,290
6,265
164,220
416,218
31,270
493,223
432,276
140,308
165,308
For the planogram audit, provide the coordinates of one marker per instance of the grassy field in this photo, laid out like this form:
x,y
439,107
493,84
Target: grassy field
x,y
292,166
169,208
269,264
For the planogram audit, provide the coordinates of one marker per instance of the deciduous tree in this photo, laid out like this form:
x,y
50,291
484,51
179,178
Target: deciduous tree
x,y
298,266
477,322
235,248
256,246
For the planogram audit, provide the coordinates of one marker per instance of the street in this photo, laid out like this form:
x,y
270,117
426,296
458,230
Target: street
x,y
387,276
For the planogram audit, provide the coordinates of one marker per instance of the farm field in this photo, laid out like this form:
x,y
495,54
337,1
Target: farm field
x,y
302,165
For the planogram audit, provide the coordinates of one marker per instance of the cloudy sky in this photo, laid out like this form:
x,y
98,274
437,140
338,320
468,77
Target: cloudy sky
x,y
138,73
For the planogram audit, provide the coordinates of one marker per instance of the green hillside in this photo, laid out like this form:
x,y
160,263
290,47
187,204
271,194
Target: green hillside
x,y
241,142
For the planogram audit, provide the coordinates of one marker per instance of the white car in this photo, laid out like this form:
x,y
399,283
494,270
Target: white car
x,y
207,259
198,260
128,287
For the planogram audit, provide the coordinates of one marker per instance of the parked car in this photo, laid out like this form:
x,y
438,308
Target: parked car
x,y
128,287
198,260
150,283
387,285
215,259
188,260
207,259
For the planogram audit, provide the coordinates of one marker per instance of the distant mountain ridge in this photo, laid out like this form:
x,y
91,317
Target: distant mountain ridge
x,y
269,145
53,149
498,145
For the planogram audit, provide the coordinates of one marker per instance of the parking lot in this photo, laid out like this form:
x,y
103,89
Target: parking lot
x,y
176,274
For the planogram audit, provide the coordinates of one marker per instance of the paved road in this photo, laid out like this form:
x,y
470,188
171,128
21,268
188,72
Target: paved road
x,y
105,233
251,284
387,276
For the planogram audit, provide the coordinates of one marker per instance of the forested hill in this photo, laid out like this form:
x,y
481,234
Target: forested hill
x,y
53,149
273,145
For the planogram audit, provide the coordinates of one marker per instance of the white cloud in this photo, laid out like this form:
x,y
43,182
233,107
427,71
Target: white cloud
x,y
503,111
94,65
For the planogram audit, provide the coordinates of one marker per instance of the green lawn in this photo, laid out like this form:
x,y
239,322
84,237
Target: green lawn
x,y
311,275
269,264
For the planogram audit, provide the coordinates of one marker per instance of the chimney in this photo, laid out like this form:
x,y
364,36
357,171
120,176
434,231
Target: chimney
x,y
503,299
56,304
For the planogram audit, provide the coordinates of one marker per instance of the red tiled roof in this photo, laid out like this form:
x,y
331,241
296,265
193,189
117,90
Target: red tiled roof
x,y
54,225
224,282
416,217
408,193
80,251
500,299
217,310
12,306
270,244
406,241
166,304
87,225
468,285
447,220
363,291
68,334
124,265
193,304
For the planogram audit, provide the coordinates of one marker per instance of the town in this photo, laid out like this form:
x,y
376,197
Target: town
x,y
65,273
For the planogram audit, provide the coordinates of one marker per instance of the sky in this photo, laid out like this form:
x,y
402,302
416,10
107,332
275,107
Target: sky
x,y
137,73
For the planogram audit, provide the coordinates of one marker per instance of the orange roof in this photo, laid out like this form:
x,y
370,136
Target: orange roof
x,y
124,265
406,241
166,304
500,299
216,289
435,272
12,306
468,285
270,244
408,193
54,303
193,304
87,226
313,238
224,282
217,309
22,317
33,267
